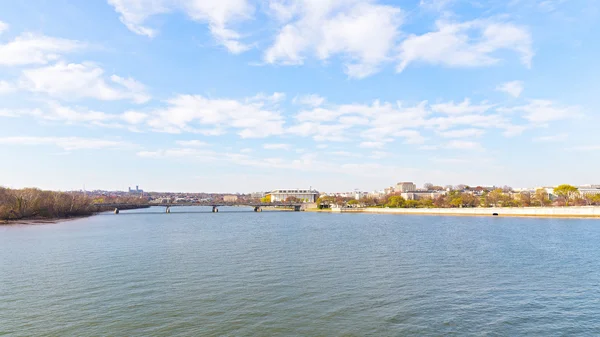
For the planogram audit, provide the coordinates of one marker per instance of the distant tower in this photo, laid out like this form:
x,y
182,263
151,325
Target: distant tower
x,y
137,188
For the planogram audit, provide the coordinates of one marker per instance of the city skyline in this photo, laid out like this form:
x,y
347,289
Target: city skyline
x,y
337,95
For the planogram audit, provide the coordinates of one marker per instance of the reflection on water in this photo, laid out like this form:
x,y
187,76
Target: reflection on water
x,y
241,273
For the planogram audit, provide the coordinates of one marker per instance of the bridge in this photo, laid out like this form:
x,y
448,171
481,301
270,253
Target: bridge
x,y
258,206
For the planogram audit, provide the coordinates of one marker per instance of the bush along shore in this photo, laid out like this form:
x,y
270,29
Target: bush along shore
x,y
29,204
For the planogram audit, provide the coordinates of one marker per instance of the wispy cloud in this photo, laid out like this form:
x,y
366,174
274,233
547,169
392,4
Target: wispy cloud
x,y
68,143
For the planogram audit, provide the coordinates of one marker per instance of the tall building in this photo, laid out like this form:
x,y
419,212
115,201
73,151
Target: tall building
x,y
136,191
404,187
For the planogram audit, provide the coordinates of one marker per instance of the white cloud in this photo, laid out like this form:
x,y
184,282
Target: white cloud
x,y
219,15
476,121
68,143
277,146
379,154
54,111
354,120
437,5
312,100
586,148
541,111
513,88
361,32
134,117
428,147
192,143
204,155
372,145
511,130
6,87
58,112
463,145
3,27
552,138
35,49
464,133
468,44
76,81
321,132
185,112
345,154
465,107
18,112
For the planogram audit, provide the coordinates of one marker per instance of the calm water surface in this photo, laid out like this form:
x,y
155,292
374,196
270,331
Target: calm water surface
x,y
240,273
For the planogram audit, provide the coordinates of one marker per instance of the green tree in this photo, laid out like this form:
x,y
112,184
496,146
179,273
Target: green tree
x,y
353,202
595,199
426,203
494,197
525,199
567,192
541,197
395,201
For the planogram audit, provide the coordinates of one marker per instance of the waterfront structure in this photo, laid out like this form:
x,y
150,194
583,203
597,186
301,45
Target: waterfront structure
x,y
419,195
230,198
589,190
307,196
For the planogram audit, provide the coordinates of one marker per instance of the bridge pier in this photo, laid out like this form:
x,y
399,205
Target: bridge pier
x,y
116,211
297,208
168,210
215,209
257,209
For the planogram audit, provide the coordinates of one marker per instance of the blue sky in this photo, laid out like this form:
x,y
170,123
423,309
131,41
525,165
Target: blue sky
x,y
249,95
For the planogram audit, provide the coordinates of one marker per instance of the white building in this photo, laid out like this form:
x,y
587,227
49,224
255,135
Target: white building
x,y
308,196
589,190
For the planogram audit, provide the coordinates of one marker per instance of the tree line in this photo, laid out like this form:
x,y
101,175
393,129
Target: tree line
x,y
33,203
565,195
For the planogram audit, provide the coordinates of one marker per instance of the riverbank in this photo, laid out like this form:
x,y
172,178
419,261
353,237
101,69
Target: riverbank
x,y
53,220
541,212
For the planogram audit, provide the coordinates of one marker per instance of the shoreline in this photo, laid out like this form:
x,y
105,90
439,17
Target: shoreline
x,y
40,221
575,212
49,221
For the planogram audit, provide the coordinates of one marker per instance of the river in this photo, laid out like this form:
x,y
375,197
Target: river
x,y
240,273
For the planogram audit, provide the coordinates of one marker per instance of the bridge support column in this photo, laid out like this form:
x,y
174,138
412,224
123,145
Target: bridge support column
x,y
297,208
168,210
116,211
257,209
215,209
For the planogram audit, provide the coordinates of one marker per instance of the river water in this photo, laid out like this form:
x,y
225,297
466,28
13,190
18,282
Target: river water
x,y
240,273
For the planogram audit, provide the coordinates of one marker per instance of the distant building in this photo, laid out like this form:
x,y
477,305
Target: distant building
x,y
589,189
360,195
405,187
419,195
136,191
257,195
230,198
307,196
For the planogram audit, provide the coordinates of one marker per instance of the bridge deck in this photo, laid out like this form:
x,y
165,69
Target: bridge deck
x,y
212,204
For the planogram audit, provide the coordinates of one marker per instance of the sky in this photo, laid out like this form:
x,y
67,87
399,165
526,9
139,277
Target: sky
x,y
337,95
